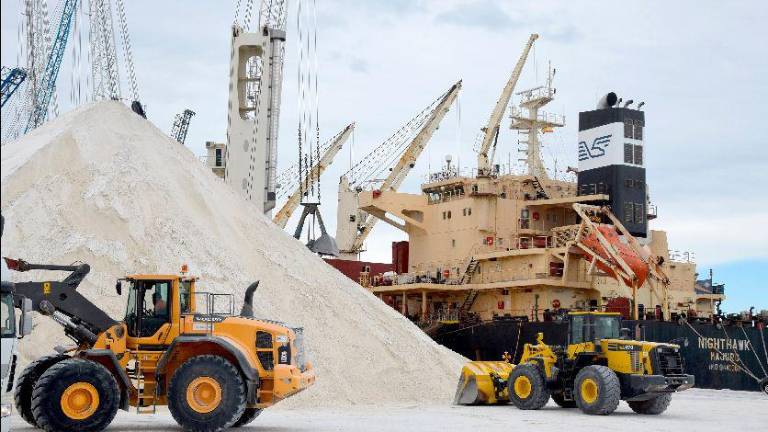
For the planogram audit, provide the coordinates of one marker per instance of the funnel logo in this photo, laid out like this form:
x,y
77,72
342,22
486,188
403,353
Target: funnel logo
x,y
596,150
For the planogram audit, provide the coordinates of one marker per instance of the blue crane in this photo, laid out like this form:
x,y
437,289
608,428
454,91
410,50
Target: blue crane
x,y
12,79
43,95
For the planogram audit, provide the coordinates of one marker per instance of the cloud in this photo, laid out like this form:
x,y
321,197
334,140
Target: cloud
x,y
482,14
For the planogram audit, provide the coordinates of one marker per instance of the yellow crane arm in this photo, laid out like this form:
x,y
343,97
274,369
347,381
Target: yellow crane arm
x,y
490,130
408,159
282,216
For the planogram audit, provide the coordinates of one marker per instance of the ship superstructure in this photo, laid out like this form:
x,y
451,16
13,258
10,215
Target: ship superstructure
x,y
494,245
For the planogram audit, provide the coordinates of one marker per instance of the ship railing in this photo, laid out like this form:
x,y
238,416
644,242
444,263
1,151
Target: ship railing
x,y
564,234
541,116
682,256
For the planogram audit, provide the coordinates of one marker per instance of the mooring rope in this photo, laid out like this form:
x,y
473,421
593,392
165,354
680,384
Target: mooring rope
x,y
746,371
754,351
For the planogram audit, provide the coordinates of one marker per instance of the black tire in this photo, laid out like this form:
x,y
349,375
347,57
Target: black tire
x,y
25,384
606,387
527,388
248,416
47,404
231,394
561,402
654,406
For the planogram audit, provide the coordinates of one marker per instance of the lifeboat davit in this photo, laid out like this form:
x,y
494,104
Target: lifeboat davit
x,y
620,245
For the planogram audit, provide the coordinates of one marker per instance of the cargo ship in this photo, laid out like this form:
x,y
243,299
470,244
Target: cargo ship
x,y
493,257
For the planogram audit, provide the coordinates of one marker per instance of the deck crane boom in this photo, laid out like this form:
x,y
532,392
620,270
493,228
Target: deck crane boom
x,y
491,129
44,93
351,247
333,148
12,79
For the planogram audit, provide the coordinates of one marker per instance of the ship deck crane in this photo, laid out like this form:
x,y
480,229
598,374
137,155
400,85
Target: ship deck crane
x,y
351,247
11,81
312,175
491,129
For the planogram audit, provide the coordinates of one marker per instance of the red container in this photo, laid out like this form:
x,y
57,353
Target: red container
x,y
400,257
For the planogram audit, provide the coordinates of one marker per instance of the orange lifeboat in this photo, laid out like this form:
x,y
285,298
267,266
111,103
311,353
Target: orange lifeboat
x,y
635,262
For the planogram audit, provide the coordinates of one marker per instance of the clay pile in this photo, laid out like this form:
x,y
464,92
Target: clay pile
x,y
103,186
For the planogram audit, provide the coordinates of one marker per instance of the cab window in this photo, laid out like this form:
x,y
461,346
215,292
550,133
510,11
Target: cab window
x,y
148,307
577,329
7,316
185,299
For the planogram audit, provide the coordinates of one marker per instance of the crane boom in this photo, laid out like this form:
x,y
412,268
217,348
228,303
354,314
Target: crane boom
x,y
491,129
42,97
11,82
337,142
408,160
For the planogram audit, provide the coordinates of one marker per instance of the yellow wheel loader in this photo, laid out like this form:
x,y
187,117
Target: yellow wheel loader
x,y
176,346
599,366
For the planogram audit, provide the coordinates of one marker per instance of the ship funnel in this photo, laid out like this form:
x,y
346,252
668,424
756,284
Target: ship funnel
x,y
607,101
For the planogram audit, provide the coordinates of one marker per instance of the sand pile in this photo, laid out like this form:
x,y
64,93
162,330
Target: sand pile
x,y
103,186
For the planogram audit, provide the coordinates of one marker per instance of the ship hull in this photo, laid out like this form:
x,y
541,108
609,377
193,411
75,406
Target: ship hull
x,y
713,353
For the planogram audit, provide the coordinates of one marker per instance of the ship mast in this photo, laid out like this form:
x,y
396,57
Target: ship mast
x,y
530,123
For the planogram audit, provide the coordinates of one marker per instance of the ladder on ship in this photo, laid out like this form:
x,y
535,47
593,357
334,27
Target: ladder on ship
x,y
469,300
471,268
541,193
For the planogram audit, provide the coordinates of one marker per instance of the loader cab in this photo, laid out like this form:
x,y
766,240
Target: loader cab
x,y
587,329
155,304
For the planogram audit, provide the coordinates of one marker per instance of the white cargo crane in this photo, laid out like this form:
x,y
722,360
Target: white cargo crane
x,y
353,225
311,176
255,84
491,130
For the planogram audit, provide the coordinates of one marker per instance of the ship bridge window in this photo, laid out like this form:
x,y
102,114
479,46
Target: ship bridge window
x,y
638,129
638,155
628,156
639,213
628,212
629,183
628,128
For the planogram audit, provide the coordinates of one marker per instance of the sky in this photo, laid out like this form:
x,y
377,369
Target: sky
x,y
700,67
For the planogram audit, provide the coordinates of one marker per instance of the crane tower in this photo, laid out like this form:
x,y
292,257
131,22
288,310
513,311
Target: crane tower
x,y
255,82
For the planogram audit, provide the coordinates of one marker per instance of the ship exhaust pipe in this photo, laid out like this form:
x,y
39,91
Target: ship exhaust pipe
x,y
607,101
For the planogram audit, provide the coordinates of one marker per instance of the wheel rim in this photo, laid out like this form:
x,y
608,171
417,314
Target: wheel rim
x,y
204,394
589,390
522,387
80,400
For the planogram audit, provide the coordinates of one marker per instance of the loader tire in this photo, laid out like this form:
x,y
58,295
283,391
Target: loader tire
x,y
206,394
25,384
559,399
527,387
654,406
248,416
75,395
597,390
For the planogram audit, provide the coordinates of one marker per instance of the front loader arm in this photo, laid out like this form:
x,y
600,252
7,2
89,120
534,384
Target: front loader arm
x,y
82,320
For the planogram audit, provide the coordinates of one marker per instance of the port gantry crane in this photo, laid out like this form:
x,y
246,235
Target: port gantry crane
x,y
181,125
256,77
44,93
491,129
11,81
353,225
298,189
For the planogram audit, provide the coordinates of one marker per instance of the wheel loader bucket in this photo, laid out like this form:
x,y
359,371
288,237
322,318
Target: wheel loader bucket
x,y
483,382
